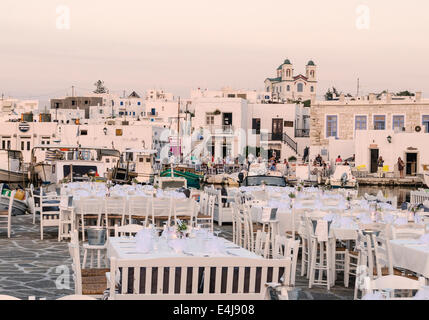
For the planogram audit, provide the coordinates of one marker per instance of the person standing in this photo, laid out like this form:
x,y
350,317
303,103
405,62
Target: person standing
x,y
401,166
380,164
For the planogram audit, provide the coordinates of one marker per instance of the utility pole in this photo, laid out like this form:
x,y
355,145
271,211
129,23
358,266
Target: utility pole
x,y
357,94
178,130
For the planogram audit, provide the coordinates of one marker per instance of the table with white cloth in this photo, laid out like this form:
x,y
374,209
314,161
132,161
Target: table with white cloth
x,y
412,255
125,248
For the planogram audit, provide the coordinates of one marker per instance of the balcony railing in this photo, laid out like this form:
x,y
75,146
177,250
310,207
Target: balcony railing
x,y
302,133
226,129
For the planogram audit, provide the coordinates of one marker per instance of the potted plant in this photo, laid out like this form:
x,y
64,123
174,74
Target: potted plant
x,y
182,228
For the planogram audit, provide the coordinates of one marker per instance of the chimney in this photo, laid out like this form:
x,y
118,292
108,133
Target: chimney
x,y
418,96
388,97
371,97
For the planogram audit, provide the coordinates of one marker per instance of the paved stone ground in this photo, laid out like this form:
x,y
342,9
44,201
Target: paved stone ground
x,y
30,266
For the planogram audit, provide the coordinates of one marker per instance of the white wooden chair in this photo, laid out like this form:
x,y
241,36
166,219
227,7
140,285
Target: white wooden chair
x,y
161,211
139,208
35,206
206,218
197,285
6,215
287,248
391,283
322,257
90,212
128,229
262,243
49,218
67,219
184,209
114,211
223,211
87,281
77,297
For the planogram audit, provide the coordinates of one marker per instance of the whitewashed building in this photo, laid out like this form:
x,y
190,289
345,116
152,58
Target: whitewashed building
x,y
369,127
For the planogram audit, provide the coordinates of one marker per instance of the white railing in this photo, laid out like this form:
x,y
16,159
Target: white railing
x,y
418,197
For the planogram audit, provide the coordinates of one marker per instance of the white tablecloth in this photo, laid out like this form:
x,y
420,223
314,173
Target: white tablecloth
x,y
411,255
125,248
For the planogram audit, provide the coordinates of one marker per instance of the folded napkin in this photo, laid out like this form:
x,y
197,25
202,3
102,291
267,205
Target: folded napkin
x,y
401,221
144,241
215,245
178,245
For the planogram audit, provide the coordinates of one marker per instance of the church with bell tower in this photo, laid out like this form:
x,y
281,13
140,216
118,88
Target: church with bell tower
x,y
288,86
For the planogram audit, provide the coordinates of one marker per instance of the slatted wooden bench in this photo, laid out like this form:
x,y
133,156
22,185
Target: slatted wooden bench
x,y
220,278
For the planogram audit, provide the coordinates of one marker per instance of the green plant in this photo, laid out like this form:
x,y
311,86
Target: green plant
x,y
181,226
216,112
292,195
292,158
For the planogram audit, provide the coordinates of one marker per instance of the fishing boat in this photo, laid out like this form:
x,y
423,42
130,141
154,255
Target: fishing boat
x,y
11,167
20,203
342,178
137,166
63,163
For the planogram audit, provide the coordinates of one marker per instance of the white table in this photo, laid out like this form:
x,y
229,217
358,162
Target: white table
x,y
125,248
411,255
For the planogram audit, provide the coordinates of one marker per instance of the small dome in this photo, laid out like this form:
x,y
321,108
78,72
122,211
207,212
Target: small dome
x,y
280,67
310,63
287,61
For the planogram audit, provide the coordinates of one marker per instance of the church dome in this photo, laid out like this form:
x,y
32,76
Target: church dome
x,y
287,61
310,63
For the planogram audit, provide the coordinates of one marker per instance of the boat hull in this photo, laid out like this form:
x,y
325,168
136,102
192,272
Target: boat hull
x,y
10,176
19,207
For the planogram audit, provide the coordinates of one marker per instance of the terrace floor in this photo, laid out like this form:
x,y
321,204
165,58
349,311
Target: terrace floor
x,y
42,268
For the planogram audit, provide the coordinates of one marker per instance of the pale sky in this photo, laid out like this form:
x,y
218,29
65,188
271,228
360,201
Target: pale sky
x,y
182,44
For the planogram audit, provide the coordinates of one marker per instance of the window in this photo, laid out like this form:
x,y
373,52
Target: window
x,y
288,124
3,144
28,145
122,103
398,122
139,103
312,89
73,102
107,160
83,132
300,87
134,113
425,123
331,126
360,123
153,111
209,119
86,102
147,159
22,145
101,111
256,125
379,122
288,88
8,144
268,89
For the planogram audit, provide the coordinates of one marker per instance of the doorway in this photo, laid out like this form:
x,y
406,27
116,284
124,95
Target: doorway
x,y
227,119
374,160
411,163
277,130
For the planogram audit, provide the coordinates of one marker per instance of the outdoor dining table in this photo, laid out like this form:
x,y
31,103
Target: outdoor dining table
x,y
126,248
412,255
